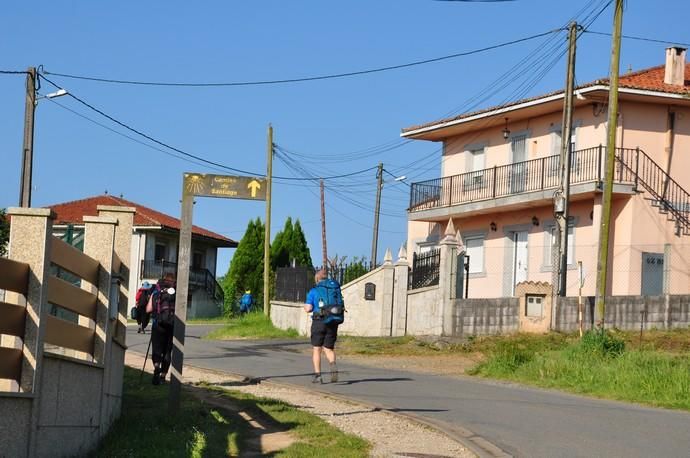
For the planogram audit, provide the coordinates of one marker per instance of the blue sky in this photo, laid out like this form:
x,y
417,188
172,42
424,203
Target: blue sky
x,y
329,127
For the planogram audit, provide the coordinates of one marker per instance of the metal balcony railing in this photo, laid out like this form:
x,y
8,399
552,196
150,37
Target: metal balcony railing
x,y
505,180
197,277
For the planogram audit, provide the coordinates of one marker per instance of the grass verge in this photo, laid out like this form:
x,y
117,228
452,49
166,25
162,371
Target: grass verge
x,y
252,325
614,366
145,429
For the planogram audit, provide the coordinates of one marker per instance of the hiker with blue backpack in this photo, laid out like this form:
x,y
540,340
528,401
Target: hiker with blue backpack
x,y
246,302
325,303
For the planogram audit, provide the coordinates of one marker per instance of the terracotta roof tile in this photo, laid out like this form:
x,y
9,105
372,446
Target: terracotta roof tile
x,y
74,211
650,79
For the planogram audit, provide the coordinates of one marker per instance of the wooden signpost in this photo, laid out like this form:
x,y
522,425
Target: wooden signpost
x,y
204,185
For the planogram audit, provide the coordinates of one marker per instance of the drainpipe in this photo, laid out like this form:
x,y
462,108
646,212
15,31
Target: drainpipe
x,y
668,144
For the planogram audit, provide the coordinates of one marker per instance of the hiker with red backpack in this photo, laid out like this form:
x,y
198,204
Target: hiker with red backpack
x,y
139,311
162,306
325,303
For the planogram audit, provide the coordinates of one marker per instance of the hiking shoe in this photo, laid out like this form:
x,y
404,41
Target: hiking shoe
x,y
334,373
316,378
156,380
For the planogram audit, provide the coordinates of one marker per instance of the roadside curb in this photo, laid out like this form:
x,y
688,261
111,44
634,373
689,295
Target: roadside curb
x,y
477,444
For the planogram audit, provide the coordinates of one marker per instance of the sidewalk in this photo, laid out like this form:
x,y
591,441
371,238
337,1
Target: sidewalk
x,y
390,434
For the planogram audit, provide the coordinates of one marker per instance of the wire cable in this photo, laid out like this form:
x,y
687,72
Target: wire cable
x,y
303,79
14,72
631,37
177,150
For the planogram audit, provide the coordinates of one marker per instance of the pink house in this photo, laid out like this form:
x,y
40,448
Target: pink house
x,y
499,170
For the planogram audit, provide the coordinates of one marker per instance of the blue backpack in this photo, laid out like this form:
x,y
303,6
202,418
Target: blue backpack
x,y
333,309
246,302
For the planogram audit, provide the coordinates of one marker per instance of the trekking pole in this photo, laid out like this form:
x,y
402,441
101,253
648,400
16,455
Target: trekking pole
x,y
141,375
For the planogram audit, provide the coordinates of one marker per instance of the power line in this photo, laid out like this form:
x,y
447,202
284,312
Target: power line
x,y
177,150
303,79
13,72
631,37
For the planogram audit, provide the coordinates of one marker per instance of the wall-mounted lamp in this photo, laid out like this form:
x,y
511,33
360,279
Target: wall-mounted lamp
x,y
492,226
535,221
506,131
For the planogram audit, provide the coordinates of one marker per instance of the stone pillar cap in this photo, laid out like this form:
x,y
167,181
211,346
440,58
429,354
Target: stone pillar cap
x,y
115,208
31,211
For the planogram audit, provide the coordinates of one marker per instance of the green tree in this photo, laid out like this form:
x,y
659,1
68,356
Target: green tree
x,y
4,232
290,243
247,267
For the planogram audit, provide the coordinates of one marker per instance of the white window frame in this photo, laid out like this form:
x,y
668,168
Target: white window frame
x,y
474,180
550,234
476,269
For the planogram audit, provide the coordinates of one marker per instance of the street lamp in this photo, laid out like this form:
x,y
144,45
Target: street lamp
x,y
28,147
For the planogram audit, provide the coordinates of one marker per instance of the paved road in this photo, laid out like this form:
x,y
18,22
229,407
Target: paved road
x,y
522,421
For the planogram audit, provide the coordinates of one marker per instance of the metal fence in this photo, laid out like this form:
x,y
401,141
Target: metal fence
x,y
293,283
425,269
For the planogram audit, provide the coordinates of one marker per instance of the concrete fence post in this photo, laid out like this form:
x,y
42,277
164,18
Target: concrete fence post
x,y
99,240
123,253
30,237
99,236
30,243
388,294
448,263
115,356
400,281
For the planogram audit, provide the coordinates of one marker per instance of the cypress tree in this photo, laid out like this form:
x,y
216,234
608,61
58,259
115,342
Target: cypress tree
x,y
4,232
247,267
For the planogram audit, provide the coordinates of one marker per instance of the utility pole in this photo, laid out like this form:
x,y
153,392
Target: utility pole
x,y
377,211
612,125
267,233
28,147
563,195
324,261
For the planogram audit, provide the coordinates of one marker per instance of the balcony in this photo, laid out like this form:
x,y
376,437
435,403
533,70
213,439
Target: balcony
x,y
199,278
516,185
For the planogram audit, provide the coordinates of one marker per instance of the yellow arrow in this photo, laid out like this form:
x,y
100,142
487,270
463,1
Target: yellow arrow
x,y
253,186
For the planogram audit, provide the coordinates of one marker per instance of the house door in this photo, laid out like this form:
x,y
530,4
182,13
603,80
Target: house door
x,y
652,274
518,177
519,257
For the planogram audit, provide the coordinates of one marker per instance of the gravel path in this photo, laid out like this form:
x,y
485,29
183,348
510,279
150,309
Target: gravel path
x,y
390,435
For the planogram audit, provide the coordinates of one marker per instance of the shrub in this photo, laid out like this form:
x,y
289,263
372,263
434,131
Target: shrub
x,y
601,343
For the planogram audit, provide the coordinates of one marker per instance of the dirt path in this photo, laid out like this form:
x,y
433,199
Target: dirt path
x,y
390,435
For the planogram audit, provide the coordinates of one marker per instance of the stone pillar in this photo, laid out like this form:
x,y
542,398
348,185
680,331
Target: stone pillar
x,y
30,243
115,356
123,251
30,237
448,264
401,274
99,240
387,291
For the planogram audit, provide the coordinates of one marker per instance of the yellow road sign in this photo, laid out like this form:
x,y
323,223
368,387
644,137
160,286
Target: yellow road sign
x,y
226,186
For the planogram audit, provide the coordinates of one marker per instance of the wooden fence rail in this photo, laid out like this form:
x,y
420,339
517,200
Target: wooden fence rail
x,y
15,276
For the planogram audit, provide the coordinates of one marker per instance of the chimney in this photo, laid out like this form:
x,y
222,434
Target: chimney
x,y
675,66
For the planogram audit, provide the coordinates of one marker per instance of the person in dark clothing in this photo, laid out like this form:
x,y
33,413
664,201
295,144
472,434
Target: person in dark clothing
x,y
163,306
142,299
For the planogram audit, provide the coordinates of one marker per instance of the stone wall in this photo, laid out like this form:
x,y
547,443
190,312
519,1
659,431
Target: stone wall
x,y
286,315
485,316
623,312
366,317
424,312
